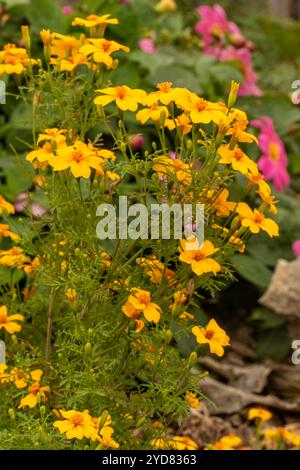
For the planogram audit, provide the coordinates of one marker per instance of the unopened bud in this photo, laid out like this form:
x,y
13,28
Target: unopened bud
x,y
193,358
12,414
233,94
87,348
26,36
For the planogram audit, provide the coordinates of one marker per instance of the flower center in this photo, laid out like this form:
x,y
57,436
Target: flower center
x,y
165,86
121,92
238,154
209,334
198,256
106,46
77,155
143,299
34,389
201,104
3,319
274,151
77,419
259,218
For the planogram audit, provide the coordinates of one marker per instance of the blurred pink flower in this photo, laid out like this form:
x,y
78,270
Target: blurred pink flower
x,y
296,248
274,161
215,25
147,44
137,141
243,55
67,10
23,202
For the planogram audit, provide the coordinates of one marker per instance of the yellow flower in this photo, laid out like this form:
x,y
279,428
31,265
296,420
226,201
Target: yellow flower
x,y
42,154
237,159
181,123
64,46
222,206
164,6
260,414
256,221
52,134
228,442
5,232
46,37
71,294
175,443
8,322
36,393
76,425
156,270
13,258
70,64
14,59
165,166
80,158
141,300
106,431
154,112
6,207
258,179
199,257
93,20
192,400
201,111
165,94
234,239
101,50
126,98
212,335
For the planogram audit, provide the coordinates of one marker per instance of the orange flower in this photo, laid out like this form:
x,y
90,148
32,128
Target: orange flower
x,y
222,206
256,221
14,59
154,112
212,335
259,413
80,158
202,111
237,159
36,391
6,207
13,258
5,232
141,301
101,50
9,322
126,98
228,442
192,400
199,257
93,20
165,166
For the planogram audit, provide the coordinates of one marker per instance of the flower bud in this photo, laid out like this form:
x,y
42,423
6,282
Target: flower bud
x,y
26,36
192,359
233,94
12,414
87,348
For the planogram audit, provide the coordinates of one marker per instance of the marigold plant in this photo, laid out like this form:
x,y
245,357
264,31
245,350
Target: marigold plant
x,y
93,357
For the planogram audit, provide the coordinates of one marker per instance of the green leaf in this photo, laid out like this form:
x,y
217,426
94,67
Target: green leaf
x,y
294,161
273,344
18,174
46,14
252,269
8,276
266,318
185,340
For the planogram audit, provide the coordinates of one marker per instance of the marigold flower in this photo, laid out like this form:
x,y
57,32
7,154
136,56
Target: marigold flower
x,y
221,205
76,425
13,258
6,207
228,442
141,300
212,335
64,46
175,443
256,221
5,232
71,294
155,269
201,110
9,322
199,257
101,50
192,400
93,20
154,112
14,59
237,159
80,158
166,166
125,98
36,391
259,413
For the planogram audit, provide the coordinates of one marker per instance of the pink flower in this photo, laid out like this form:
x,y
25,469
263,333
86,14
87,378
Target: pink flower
x,y
274,161
215,25
243,55
296,248
23,202
147,45
67,10
137,141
